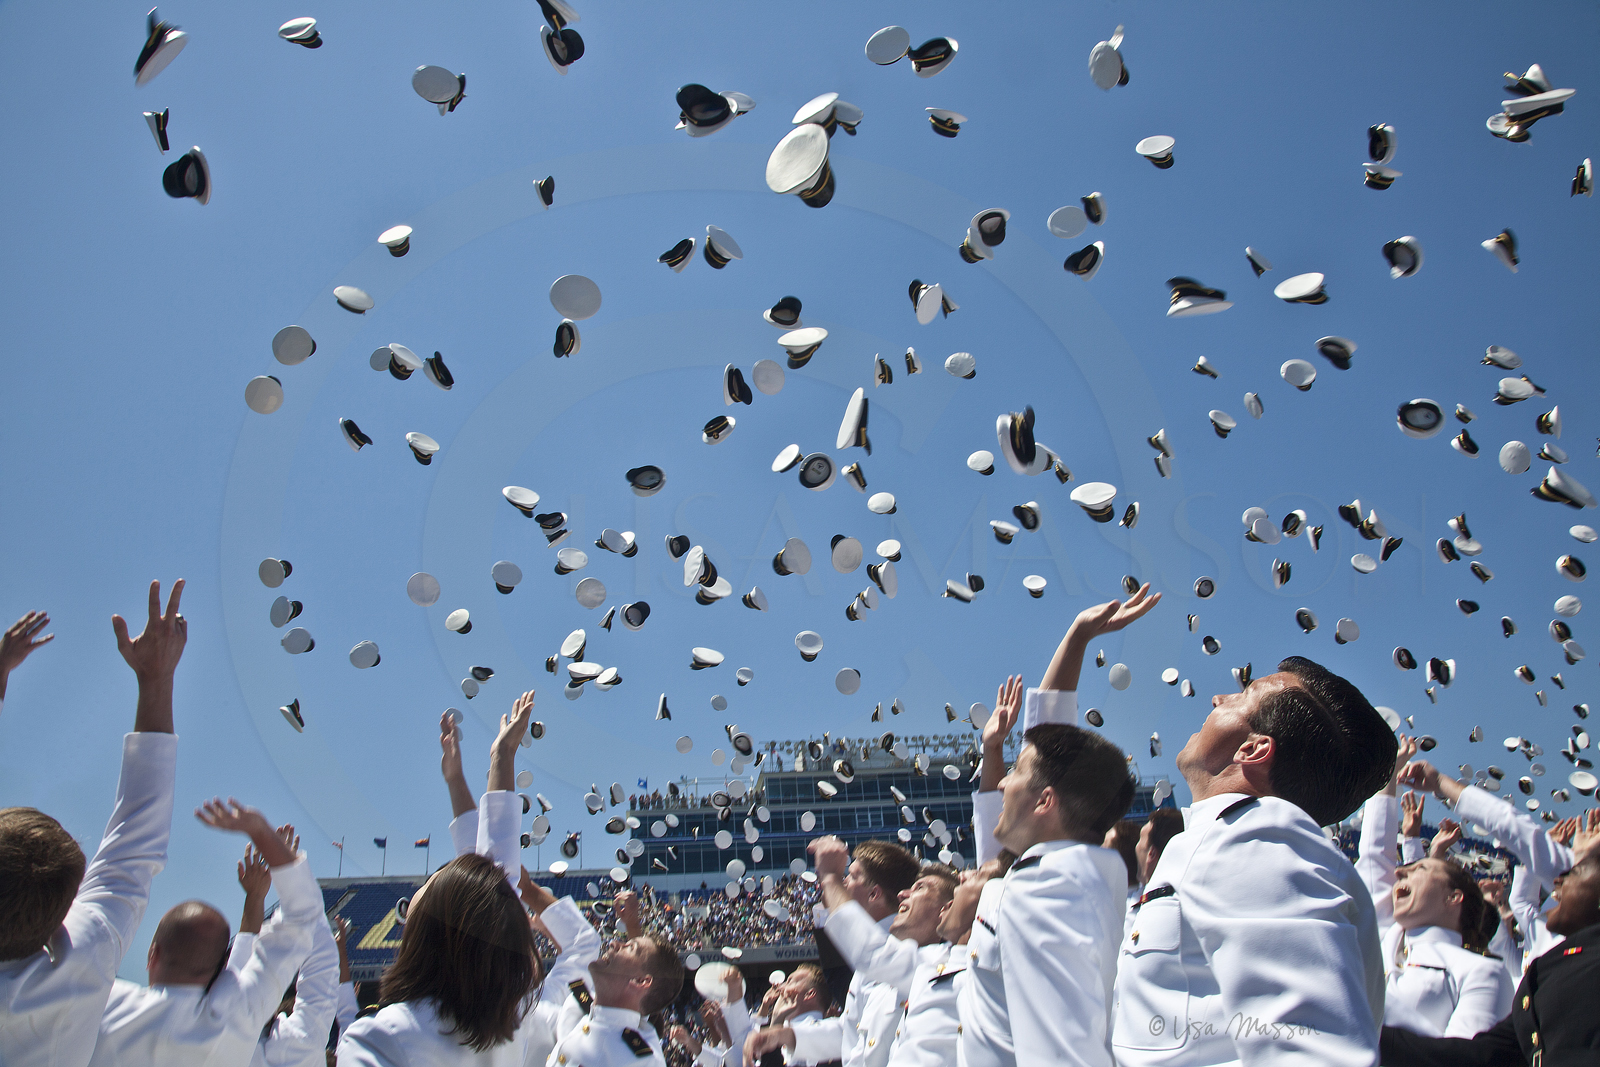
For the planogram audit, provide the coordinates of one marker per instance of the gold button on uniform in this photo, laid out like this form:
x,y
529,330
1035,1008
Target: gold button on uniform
x,y
1524,1002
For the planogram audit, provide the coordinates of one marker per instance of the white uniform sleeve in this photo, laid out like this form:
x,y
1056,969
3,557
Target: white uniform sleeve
x,y
579,942
305,1030
346,1009
1049,705
1413,850
1283,949
464,832
1375,855
985,815
737,1015
239,955
1525,908
499,831
871,952
247,998
1484,1000
87,950
1520,834
818,1040
1051,946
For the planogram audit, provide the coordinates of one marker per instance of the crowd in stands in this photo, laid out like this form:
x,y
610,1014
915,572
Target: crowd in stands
x,y
1234,931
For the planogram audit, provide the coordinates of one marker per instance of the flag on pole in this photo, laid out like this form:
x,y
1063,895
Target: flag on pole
x,y
339,845
423,842
381,842
644,783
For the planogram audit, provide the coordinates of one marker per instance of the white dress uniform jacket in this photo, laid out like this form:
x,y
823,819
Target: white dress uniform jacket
x,y
1434,987
609,1037
184,1025
862,1034
413,1035
51,1001
299,1039
1542,857
923,977
1256,944
1043,953
580,946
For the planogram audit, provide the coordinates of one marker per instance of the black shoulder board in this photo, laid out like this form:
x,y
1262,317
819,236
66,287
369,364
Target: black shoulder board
x,y
636,1044
947,976
1026,862
1237,805
580,993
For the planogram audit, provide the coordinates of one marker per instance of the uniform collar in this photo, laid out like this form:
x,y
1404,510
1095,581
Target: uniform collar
x,y
1210,807
1044,848
804,1017
619,1017
1435,935
885,922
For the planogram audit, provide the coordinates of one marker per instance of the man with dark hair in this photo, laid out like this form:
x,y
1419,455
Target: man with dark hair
x,y
196,1011
1043,949
632,979
1255,940
861,1035
912,956
67,924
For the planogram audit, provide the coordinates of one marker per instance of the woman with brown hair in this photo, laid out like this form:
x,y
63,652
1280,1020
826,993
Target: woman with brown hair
x,y
1434,923
464,980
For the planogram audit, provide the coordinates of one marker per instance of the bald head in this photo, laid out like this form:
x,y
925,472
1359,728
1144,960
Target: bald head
x,y
189,946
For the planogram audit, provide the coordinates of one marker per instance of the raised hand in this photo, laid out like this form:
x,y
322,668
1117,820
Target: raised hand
x,y
503,752
1563,831
449,747
1449,833
1007,709
287,835
237,818
535,896
255,878
1403,756
1115,614
681,1037
625,906
155,652
1586,837
830,855
1411,814
19,640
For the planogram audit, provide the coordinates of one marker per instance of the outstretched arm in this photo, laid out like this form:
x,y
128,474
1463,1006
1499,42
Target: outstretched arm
x,y
500,820
1109,617
255,879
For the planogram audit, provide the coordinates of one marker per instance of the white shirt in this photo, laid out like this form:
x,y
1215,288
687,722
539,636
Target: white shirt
x,y
1434,987
300,1039
411,1034
1541,857
1267,951
51,1001
980,997
580,946
180,1025
805,1018
609,1037
1044,952
923,978
862,1034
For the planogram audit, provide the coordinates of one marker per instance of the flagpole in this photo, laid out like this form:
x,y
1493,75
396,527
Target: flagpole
x,y
385,868
341,858
427,851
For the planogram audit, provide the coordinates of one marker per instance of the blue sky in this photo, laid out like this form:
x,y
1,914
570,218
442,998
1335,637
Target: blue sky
x,y
136,320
